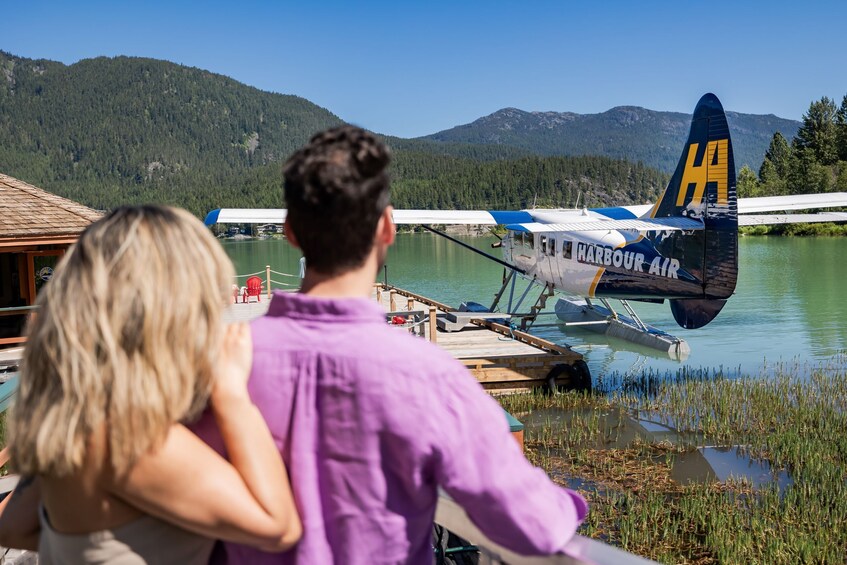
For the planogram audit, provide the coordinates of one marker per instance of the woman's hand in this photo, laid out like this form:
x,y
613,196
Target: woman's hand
x,y
233,367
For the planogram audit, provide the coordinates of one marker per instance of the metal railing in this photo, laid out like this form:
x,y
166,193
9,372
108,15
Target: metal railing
x,y
579,551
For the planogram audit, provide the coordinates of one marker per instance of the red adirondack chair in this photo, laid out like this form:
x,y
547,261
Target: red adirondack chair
x,y
254,288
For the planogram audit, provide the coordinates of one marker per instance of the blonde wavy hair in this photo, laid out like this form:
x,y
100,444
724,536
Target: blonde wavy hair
x,y
126,336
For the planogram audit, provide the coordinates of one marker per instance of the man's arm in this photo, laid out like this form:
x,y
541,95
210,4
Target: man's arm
x,y
481,466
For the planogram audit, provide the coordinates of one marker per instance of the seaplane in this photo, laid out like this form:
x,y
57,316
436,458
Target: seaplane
x,y
682,249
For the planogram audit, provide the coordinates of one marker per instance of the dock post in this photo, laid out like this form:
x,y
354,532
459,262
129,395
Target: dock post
x,y
379,294
411,305
268,279
392,301
433,326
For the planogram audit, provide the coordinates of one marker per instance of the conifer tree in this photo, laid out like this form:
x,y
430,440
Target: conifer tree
x,y
747,183
841,130
818,132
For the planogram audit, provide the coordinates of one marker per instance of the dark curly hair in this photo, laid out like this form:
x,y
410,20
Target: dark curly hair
x,y
336,189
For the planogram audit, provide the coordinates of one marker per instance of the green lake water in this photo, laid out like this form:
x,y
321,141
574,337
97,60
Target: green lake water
x,y
789,305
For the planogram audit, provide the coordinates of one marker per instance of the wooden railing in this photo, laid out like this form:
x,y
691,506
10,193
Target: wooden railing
x,y
15,311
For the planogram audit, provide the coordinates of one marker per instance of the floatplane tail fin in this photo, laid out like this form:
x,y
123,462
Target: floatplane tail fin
x,y
703,187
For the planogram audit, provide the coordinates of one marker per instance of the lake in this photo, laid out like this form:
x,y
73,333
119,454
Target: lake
x,y
788,306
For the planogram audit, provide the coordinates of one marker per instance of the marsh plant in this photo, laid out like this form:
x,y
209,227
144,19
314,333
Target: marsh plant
x,y
794,418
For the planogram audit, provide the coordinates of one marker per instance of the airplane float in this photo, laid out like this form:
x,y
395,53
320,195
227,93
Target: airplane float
x,y
683,248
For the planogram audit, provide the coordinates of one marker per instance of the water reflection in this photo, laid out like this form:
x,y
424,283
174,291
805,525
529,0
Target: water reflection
x,y
709,464
788,303
695,462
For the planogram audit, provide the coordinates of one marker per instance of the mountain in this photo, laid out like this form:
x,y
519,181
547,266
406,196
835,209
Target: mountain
x,y
624,132
112,131
108,131
140,128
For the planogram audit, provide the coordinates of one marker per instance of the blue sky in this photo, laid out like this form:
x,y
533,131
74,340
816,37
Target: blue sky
x,y
410,69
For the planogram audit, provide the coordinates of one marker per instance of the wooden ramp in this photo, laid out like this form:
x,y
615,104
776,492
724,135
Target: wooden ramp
x,y
502,358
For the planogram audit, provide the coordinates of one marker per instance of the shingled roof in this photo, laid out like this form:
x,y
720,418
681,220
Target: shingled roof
x,y
28,212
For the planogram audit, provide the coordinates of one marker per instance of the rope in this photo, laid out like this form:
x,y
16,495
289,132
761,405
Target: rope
x,y
512,328
250,275
284,284
285,274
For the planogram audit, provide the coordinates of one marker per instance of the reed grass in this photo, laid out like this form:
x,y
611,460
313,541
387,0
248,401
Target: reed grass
x,y
796,419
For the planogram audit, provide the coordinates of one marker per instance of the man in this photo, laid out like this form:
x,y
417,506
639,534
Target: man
x,y
371,420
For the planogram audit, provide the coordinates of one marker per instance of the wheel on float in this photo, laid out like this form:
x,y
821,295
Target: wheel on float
x,y
564,378
583,379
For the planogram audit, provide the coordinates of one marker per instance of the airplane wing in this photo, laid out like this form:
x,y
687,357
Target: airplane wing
x,y
792,202
245,216
454,217
749,209
746,206
770,219
653,224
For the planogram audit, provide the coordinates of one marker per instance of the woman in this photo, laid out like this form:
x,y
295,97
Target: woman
x,y
128,343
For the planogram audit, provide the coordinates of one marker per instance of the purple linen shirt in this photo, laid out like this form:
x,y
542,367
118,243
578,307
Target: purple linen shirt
x,y
370,422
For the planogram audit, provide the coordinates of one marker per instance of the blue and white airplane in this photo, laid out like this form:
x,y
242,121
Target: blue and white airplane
x,y
683,248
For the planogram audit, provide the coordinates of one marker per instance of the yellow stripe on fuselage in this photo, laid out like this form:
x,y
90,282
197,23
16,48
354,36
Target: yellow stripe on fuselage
x,y
596,280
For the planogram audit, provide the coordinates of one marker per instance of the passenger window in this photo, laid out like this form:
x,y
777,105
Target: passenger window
x,y
530,240
542,243
552,247
566,248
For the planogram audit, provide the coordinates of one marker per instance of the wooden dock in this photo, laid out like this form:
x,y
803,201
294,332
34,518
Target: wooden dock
x,y
502,358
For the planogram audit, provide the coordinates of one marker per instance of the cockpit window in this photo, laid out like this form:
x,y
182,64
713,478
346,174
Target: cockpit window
x,y
567,246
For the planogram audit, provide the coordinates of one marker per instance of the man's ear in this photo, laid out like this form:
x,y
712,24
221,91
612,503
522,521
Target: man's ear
x,y
289,233
385,228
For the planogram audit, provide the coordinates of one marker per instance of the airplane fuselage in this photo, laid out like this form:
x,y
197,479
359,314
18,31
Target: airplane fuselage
x,y
611,263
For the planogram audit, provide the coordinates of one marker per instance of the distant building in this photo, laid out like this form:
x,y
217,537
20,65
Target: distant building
x,y
36,228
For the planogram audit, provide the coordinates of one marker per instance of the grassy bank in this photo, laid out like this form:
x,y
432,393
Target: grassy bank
x,y
824,229
794,421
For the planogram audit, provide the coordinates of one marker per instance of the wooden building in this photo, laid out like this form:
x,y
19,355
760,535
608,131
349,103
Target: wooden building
x,y
36,227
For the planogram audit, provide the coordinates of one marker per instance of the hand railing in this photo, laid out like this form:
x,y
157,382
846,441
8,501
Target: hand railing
x,y
579,551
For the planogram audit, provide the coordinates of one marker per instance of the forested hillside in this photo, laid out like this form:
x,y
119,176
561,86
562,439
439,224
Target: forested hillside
x,y
109,131
626,132
425,181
